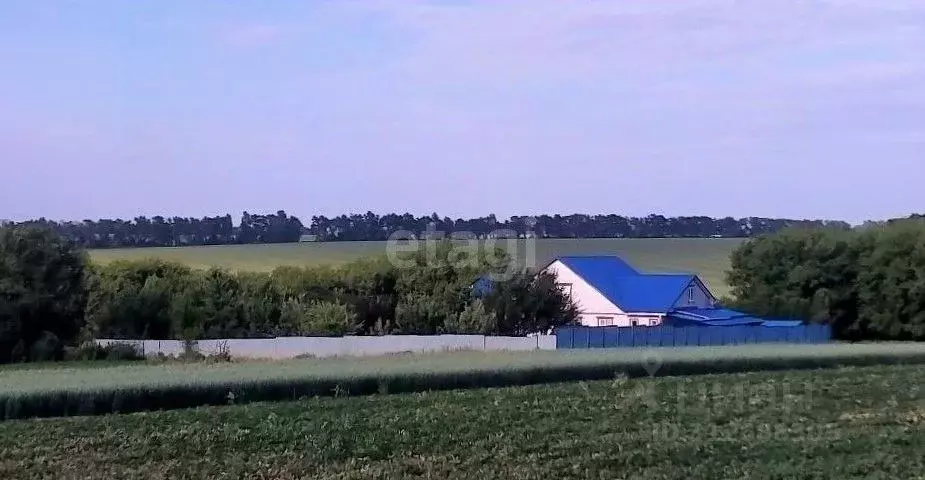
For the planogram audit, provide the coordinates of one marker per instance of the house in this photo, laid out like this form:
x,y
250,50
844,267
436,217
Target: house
x,y
610,292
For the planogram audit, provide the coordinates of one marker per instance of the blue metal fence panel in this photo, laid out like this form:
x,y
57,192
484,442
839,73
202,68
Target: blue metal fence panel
x,y
564,337
668,336
596,338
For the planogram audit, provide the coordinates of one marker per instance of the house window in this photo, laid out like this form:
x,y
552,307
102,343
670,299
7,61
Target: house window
x,y
635,322
604,321
566,288
690,295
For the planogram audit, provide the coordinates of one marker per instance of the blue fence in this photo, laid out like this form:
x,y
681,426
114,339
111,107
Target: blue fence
x,y
665,336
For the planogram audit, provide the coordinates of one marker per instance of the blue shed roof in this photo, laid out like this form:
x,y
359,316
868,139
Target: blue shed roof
x,y
716,317
731,322
483,286
626,287
782,323
708,313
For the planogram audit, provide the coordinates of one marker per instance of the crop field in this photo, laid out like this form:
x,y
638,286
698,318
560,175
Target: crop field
x,y
65,391
707,257
841,423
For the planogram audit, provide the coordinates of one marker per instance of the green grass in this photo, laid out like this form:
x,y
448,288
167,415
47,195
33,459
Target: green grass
x,y
707,257
840,423
128,388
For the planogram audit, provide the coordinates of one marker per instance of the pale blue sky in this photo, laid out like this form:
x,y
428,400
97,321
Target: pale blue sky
x,y
716,107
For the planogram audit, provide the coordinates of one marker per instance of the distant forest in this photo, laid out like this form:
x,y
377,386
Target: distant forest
x,y
282,228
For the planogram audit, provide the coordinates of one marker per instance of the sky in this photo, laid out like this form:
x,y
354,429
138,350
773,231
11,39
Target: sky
x,y
799,109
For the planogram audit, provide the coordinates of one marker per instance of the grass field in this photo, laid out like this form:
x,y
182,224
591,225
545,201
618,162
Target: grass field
x,y
65,391
707,257
841,423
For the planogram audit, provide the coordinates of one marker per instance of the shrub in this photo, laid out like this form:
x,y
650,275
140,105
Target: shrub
x,y
46,348
474,319
132,299
161,300
91,351
421,314
120,352
319,318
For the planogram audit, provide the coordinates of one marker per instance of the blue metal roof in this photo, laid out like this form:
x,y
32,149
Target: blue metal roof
x,y
647,293
599,268
724,317
482,286
708,313
782,323
731,322
626,287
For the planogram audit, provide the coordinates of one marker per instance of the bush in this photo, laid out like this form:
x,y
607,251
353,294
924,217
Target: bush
x,y
421,314
132,299
91,351
474,319
319,318
120,352
426,293
46,348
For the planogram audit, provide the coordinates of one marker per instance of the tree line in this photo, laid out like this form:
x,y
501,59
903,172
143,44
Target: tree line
x,y
283,228
53,299
868,283
160,231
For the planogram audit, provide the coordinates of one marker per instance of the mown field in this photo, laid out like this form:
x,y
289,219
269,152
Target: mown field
x,y
120,388
705,256
842,423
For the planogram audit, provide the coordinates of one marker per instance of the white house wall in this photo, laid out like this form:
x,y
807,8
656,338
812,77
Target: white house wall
x,y
702,297
590,301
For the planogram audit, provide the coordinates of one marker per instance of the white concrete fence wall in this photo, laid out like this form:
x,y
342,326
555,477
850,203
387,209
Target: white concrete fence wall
x,y
292,347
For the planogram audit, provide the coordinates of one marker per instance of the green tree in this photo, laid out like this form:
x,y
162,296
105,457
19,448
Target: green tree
x,y
42,292
132,299
526,303
189,311
891,282
800,273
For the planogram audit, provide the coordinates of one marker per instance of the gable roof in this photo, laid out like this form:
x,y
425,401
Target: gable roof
x,y
598,267
650,293
625,287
